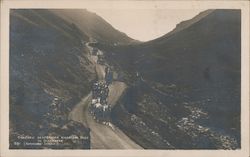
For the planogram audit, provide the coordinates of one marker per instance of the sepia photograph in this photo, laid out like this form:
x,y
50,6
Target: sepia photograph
x,y
126,77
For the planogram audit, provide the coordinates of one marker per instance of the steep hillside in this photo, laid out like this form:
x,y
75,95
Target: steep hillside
x,y
181,26
93,25
184,87
49,73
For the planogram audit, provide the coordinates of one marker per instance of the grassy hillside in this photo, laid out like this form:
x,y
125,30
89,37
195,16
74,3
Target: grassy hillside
x,y
185,86
49,73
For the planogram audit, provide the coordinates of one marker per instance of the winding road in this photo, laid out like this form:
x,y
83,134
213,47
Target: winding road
x,y
102,136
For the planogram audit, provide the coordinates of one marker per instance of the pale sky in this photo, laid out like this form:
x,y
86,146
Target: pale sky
x,y
145,24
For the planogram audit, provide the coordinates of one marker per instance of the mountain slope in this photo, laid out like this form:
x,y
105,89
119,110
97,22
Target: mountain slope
x,y
93,25
182,25
185,87
49,73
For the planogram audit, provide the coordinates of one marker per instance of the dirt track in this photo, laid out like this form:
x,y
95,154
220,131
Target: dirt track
x,y
115,92
103,136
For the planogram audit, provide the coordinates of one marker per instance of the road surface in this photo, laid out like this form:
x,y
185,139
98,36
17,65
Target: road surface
x,y
116,90
103,136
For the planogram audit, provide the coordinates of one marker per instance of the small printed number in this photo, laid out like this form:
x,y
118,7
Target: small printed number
x,y
17,143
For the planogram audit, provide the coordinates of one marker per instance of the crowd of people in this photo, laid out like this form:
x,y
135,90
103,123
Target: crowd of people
x,y
100,109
